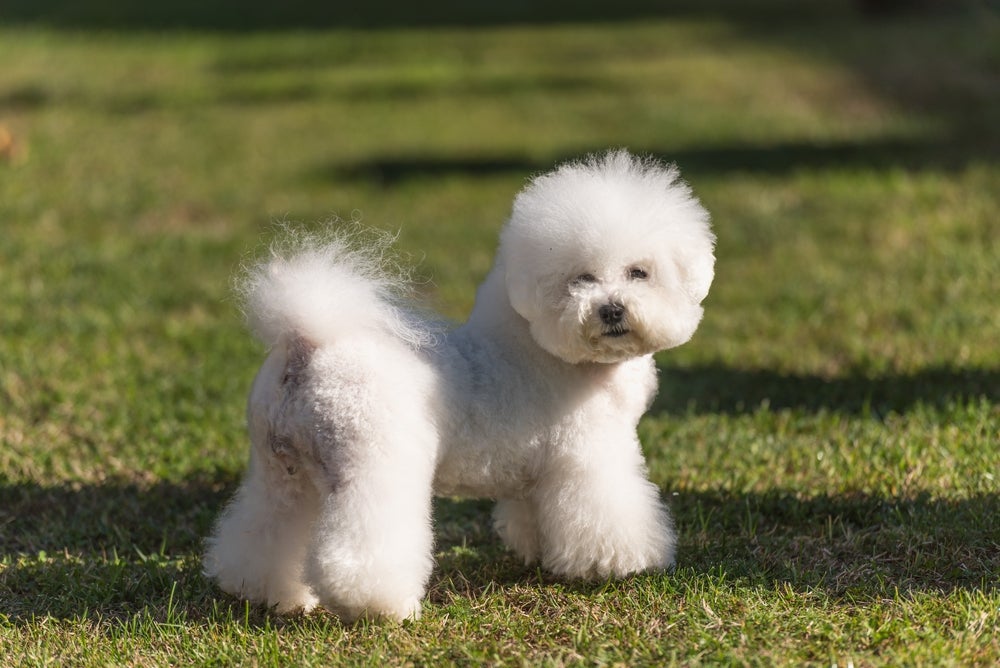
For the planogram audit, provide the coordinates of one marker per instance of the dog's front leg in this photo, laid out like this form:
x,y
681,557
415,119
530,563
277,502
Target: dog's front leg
x,y
599,515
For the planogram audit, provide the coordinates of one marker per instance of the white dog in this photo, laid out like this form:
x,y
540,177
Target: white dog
x,y
363,410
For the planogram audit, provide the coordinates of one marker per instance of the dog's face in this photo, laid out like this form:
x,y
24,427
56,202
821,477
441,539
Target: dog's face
x,y
608,259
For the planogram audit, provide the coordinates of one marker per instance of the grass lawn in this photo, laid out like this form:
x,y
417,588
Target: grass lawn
x,y
829,441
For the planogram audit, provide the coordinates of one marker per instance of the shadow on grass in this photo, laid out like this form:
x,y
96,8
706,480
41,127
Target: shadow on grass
x,y
241,93
121,516
854,545
936,154
719,389
857,545
117,551
251,15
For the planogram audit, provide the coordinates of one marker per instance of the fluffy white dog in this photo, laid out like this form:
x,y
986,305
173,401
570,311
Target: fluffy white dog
x,y
363,410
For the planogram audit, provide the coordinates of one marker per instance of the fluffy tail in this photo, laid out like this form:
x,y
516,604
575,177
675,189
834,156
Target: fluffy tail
x,y
322,288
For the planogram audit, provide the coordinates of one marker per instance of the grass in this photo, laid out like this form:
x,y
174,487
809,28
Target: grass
x,y
828,441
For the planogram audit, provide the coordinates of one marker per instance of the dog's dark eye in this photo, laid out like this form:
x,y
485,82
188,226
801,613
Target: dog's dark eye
x,y
638,274
585,278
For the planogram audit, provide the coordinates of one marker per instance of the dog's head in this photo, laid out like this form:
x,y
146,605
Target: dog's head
x,y
608,258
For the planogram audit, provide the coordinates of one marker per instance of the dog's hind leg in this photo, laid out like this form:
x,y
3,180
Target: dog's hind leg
x,y
372,546
517,523
371,552
258,548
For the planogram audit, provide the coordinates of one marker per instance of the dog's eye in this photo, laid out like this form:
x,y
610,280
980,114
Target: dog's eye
x,y
585,278
638,274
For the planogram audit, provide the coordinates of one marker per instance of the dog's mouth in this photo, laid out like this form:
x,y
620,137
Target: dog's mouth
x,y
615,332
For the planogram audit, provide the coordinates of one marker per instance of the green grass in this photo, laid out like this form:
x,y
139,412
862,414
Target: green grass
x,y
829,441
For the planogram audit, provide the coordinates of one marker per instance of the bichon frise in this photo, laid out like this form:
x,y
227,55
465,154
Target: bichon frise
x,y
364,410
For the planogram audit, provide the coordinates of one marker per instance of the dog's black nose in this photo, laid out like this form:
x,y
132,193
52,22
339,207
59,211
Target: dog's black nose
x,y
611,314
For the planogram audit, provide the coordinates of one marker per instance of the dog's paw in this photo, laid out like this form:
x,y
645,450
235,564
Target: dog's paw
x,y
517,527
304,601
408,610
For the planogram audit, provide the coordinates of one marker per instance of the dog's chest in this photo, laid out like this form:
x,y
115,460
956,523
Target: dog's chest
x,y
495,442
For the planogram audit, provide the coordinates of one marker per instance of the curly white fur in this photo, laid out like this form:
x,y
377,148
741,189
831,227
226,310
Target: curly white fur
x,y
362,411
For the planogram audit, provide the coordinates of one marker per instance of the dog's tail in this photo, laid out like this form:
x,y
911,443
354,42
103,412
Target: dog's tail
x,y
323,287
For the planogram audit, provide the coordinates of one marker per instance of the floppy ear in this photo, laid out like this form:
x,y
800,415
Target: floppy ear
x,y
522,290
696,265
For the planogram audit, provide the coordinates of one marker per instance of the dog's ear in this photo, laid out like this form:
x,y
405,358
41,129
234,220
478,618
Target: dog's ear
x,y
696,265
522,290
